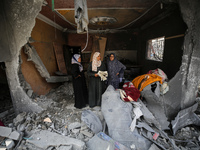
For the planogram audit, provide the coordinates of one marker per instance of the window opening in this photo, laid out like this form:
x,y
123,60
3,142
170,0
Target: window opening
x,y
155,49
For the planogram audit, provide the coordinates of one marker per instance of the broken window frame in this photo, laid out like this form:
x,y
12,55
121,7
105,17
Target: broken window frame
x,y
152,53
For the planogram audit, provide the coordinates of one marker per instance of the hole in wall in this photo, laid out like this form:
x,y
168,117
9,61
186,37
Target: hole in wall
x,y
6,105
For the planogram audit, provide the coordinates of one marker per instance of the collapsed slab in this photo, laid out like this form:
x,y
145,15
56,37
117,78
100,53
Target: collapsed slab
x,y
44,138
117,114
155,105
186,117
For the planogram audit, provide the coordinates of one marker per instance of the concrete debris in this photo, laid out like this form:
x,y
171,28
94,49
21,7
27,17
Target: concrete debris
x,y
9,144
74,125
154,147
186,117
155,105
102,141
20,118
114,108
145,126
43,139
21,127
2,147
47,120
62,126
14,135
88,134
138,114
171,100
63,92
33,56
133,147
148,116
30,93
97,143
5,131
92,121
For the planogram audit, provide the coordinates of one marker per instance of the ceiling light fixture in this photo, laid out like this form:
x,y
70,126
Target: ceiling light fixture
x,y
103,20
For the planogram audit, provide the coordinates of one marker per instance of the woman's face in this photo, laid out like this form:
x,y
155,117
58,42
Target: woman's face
x,y
112,57
98,57
79,59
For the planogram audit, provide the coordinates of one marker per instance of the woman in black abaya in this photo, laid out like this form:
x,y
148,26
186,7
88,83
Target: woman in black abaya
x,y
96,86
79,83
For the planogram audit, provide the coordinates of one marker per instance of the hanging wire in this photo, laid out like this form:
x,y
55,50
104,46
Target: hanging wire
x,y
59,15
86,42
55,11
137,18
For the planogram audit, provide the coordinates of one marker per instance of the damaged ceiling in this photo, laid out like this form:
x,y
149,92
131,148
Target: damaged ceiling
x,y
128,14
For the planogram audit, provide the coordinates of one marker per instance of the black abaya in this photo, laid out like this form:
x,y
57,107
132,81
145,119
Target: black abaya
x,y
80,88
96,86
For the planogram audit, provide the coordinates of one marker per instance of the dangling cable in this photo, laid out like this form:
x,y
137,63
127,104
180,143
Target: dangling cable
x,y
86,42
137,18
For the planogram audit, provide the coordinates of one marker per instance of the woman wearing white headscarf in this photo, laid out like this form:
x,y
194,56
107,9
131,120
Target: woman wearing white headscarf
x,y
96,86
79,84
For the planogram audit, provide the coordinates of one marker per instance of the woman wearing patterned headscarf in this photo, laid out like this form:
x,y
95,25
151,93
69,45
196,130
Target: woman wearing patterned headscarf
x,y
79,84
96,86
115,71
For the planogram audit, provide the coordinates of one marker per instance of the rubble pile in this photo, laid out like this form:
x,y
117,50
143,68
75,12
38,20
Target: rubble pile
x,y
64,91
116,125
59,122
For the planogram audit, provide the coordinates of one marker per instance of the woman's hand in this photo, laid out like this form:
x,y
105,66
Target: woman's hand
x,y
96,75
78,76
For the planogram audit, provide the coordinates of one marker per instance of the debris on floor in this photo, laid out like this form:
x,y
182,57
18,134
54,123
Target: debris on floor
x,y
116,125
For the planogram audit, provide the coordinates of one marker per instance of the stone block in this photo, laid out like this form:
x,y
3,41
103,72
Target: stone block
x,y
74,125
30,93
5,131
2,148
47,138
19,119
14,135
9,144
86,133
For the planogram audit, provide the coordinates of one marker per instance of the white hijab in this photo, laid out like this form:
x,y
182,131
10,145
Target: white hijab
x,y
95,63
75,58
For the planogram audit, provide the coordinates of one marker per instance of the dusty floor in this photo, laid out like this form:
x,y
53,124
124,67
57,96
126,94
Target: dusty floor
x,y
63,119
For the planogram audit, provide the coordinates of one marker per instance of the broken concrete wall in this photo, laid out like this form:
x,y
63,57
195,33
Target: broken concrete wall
x,y
20,19
191,55
6,31
44,35
183,87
